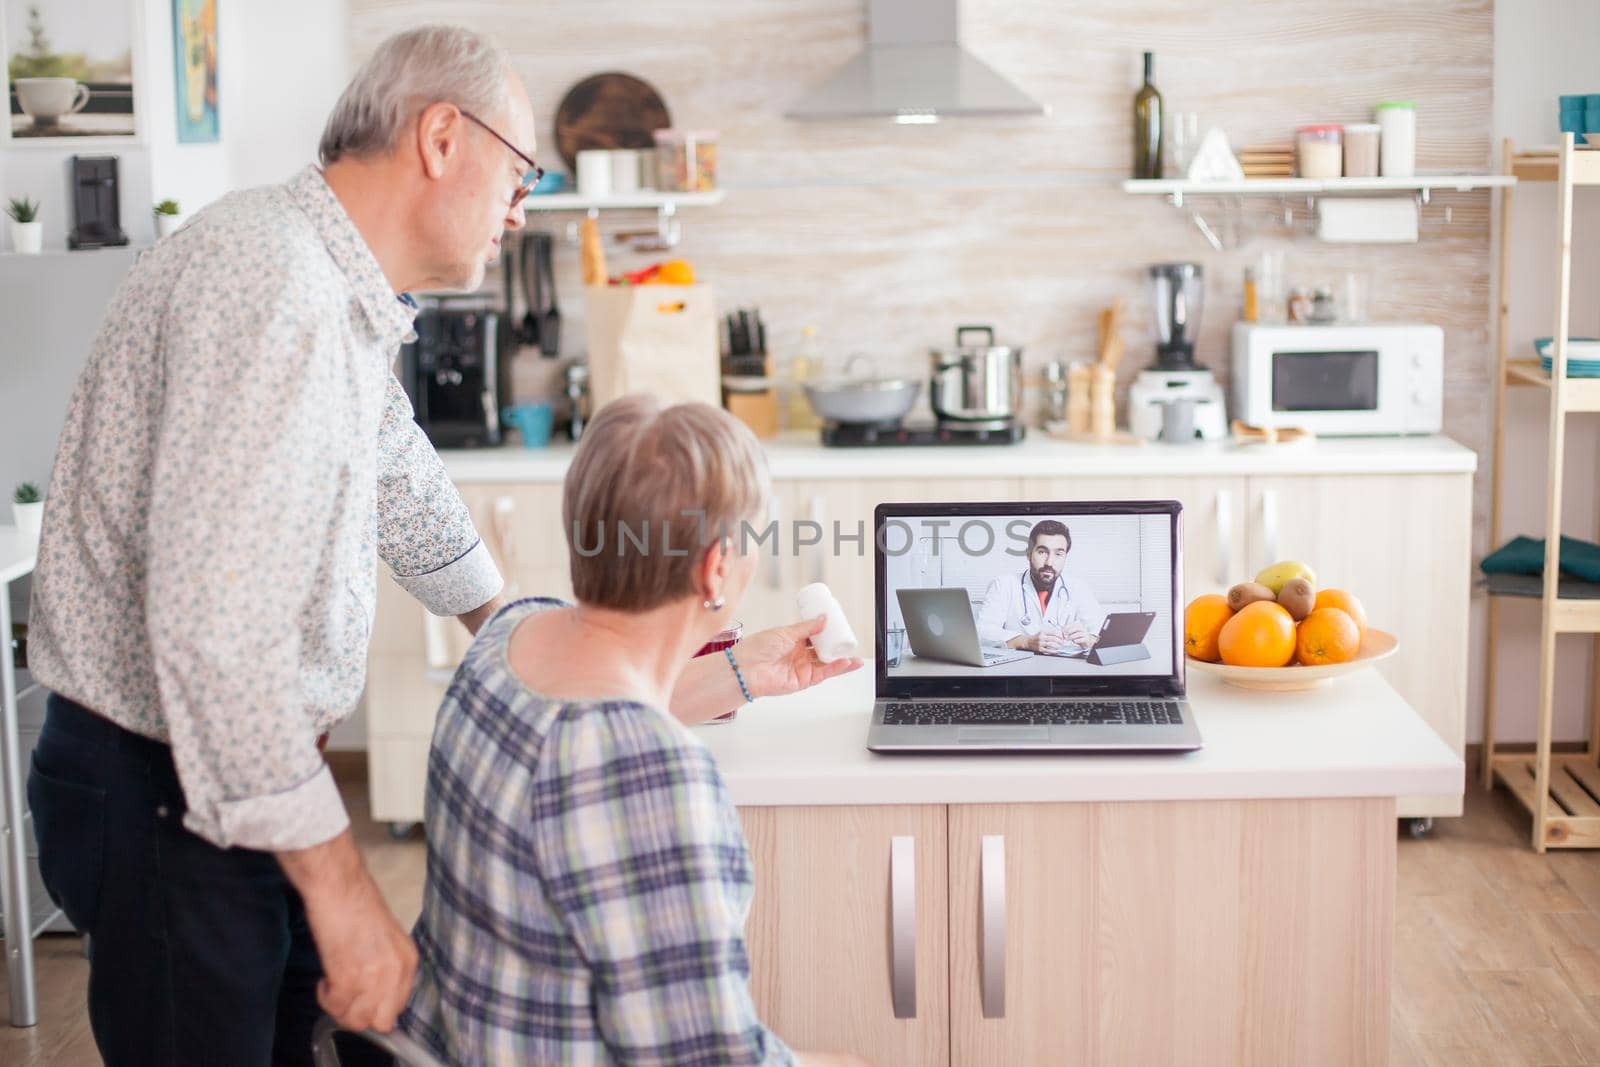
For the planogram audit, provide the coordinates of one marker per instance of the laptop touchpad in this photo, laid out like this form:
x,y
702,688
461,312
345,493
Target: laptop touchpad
x,y
989,735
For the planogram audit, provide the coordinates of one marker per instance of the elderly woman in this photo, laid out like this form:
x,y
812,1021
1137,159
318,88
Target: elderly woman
x,y
588,880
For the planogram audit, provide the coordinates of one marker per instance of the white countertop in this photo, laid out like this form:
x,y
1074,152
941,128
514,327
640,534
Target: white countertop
x,y
803,456
16,559
1355,737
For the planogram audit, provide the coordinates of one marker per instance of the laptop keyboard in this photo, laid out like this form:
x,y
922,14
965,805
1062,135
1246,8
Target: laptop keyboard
x,y
1033,713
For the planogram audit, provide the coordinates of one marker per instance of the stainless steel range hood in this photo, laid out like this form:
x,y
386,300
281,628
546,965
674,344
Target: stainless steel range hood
x,y
913,70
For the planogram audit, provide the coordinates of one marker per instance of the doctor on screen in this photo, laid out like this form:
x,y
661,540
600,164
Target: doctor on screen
x,y
1034,609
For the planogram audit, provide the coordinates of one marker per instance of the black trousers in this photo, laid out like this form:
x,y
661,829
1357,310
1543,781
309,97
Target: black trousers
x,y
198,955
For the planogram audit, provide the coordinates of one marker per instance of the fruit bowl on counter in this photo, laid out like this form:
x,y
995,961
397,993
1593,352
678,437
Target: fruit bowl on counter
x,y
1375,645
1279,632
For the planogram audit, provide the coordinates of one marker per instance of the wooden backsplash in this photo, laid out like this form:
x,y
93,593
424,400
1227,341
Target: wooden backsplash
x,y
887,236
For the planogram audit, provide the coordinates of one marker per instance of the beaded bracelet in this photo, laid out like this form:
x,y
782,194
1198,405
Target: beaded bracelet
x,y
743,689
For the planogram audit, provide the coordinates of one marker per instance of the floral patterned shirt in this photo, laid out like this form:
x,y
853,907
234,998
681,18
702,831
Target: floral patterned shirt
x,y
236,456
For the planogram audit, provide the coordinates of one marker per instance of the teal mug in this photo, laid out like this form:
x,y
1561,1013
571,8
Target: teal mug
x,y
533,421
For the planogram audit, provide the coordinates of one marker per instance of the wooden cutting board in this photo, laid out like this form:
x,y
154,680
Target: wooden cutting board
x,y
611,110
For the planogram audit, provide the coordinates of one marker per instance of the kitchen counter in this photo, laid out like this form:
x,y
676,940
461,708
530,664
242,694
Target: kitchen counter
x,y
801,455
1355,737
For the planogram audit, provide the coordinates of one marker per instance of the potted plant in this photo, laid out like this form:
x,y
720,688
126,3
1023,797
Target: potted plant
x,y
27,232
168,218
27,505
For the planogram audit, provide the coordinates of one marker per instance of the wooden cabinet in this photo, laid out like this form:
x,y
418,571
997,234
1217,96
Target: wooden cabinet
x,y
1209,932
1213,518
1402,543
847,933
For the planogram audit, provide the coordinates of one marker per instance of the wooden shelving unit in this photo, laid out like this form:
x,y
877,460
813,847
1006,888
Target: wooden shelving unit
x,y
1561,791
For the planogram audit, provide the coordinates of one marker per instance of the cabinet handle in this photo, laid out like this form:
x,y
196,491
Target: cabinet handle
x,y
1269,525
992,954
903,925
1224,537
819,508
775,564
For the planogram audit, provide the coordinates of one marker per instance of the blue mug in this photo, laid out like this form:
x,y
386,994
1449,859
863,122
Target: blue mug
x,y
533,421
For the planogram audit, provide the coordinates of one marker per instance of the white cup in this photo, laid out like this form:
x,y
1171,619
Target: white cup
x,y
46,99
594,173
624,170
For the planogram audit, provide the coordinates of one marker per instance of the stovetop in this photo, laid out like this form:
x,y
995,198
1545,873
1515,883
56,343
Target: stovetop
x,y
894,434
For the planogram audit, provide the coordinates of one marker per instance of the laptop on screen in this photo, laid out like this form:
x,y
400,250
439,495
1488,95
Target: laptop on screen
x,y
1030,626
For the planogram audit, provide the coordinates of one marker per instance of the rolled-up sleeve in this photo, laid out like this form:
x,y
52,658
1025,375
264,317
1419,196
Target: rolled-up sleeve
x,y
425,533
246,479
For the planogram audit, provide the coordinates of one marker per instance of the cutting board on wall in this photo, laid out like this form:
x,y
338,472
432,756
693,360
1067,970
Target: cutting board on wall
x,y
611,110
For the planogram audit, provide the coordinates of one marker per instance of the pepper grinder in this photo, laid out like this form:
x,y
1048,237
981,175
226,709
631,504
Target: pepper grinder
x,y
577,378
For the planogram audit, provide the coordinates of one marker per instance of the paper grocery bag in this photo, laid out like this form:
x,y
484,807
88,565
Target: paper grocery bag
x,y
655,339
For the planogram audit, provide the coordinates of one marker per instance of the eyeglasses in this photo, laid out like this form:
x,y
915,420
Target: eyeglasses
x,y
535,172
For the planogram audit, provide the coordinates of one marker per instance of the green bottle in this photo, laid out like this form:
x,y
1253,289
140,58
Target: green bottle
x,y
1147,126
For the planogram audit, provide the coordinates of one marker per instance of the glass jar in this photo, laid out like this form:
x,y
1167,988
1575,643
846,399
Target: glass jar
x,y
723,639
686,160
1319,151
1361,150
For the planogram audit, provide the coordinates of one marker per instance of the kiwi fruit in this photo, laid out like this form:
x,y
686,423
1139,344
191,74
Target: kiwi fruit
x,y
1248,593
1297,597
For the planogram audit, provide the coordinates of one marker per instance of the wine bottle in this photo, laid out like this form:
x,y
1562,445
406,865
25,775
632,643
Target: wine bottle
x,y
1147,126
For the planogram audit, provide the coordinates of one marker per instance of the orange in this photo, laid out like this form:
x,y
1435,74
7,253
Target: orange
x,y
675,272
1327,635
1202,622
1345,602
1259,635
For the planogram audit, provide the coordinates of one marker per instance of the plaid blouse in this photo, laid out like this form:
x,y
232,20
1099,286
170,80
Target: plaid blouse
x,y
587,887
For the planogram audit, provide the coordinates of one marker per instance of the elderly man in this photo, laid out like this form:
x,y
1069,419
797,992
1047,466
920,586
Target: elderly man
x,y
236,458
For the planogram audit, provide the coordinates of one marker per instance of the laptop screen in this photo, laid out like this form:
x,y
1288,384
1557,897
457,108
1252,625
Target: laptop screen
x,y
1029,599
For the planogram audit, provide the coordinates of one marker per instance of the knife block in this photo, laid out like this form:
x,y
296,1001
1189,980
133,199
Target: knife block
x,y
759,411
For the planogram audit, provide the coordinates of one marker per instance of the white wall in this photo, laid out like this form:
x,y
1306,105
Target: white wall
x,y
291,69
1542,48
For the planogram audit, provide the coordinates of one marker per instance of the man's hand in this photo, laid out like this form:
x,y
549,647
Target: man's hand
x,y
780,660
1078,635
368,960
1049,641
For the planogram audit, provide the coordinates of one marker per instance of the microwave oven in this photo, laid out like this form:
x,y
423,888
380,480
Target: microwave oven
x,y
1351,380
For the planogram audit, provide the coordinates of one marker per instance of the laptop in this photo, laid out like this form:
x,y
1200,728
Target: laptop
x,y
939,626
1120,640
1127,694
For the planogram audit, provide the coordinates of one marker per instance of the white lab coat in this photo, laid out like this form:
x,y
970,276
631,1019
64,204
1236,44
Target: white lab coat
x,y
1011,608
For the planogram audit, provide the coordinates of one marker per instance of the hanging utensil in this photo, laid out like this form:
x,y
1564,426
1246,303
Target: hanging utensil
x,y
545,282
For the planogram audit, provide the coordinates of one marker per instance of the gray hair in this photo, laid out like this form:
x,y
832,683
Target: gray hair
x,y
408,72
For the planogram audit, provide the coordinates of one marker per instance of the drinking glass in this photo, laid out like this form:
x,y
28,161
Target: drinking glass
x,y
723,639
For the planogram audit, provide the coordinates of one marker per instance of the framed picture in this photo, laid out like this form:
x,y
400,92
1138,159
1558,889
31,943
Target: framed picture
x,y
71,70
194,51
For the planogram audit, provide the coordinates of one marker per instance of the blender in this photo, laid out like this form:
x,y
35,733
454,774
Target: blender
x,y
1175,392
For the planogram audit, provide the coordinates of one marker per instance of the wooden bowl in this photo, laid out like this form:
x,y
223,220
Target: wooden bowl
x,y
1375,645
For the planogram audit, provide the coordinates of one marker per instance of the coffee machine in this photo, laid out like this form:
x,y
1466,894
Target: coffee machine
x,y
458,374
1176,399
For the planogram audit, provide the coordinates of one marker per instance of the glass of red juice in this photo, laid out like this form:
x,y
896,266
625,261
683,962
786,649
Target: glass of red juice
x,y
723,639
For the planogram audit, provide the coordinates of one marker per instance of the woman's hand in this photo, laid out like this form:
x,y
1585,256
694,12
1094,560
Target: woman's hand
x,y
780,660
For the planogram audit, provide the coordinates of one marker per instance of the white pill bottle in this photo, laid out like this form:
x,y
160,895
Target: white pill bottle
x,y
836,641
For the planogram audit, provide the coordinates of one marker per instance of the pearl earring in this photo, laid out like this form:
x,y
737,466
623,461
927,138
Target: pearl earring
x,y
714,605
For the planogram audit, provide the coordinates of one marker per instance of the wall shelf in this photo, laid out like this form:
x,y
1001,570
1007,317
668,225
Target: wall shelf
x,y
642,200
1181,187
1234,193
664,204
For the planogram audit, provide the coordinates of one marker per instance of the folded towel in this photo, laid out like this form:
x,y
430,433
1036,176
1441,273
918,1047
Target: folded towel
x,y
1525,555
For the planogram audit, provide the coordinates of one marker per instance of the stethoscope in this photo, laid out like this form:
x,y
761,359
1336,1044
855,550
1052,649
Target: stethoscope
x,y
1023,580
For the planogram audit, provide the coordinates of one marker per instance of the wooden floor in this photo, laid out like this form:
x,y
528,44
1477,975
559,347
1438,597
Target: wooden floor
x,y
1497,949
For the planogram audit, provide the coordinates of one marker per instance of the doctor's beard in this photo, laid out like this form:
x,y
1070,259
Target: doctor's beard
x,y
1044,577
